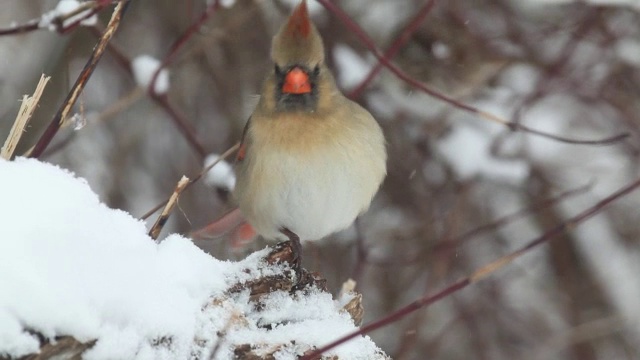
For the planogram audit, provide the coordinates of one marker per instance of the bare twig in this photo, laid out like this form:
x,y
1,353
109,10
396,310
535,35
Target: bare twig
x,y
118,106
166,212
64,347
182,41
89,8
80,83
395,47
224,155
582,333
183,125
161,99
24,115
509,218
186,128
450,243
513,126
121,104
484,271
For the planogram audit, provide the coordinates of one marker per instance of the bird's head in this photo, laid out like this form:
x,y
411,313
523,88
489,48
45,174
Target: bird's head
x,y
299,72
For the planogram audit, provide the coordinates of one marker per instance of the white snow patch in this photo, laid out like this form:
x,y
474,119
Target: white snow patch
x,y
306,322
72,266
467,147
467,150
221,175
521,78
573,165
313,7
227,3
353,69
63,8
441,50
629,51
144,67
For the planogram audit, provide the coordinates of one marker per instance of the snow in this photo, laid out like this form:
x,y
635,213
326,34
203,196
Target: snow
x,y
227,3
72,266
630,3
221,175
306,321
144,67
63,8
619,266
441,50
353,69
628,50
467,149
313,7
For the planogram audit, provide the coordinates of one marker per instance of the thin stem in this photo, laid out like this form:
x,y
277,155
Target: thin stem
x,y
484,271
366,40
400,41
82,80
193,180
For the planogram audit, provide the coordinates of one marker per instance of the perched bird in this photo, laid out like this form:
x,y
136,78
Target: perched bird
x,y
310,159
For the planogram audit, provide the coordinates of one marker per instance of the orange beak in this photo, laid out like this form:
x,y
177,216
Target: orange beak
x,y
296,82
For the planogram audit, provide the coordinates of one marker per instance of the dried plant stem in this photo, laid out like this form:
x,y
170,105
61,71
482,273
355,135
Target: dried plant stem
x,y
27,108
224,155
166,212
579,334
121,104
118,106
484,271
80,83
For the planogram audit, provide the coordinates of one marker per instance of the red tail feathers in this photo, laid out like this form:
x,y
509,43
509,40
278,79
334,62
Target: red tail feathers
x,y
233,225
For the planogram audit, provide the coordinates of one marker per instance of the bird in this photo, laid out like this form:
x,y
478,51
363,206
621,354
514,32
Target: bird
x,y
310,160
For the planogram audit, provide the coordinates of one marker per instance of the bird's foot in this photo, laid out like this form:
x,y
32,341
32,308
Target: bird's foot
x,y
296,248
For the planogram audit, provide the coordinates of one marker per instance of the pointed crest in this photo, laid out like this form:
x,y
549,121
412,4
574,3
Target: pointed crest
x,y
298,41
299,23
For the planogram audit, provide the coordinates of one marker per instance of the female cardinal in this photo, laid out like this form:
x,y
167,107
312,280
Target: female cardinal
x,y
310,160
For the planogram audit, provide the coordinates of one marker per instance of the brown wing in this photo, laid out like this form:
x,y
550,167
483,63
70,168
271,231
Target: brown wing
x,y
242,151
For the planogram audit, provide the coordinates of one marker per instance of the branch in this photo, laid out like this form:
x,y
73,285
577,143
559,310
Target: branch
x,y
181,122
513,126
89,8
181,42
80,83
27,108
506,219
484,271
166,212
397,45
224,155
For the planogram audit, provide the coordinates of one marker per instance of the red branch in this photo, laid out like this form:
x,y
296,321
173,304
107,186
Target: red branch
x,y
366,40
181,42
400,41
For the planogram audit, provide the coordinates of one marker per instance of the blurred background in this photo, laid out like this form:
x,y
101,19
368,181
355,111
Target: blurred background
x,y
460,192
